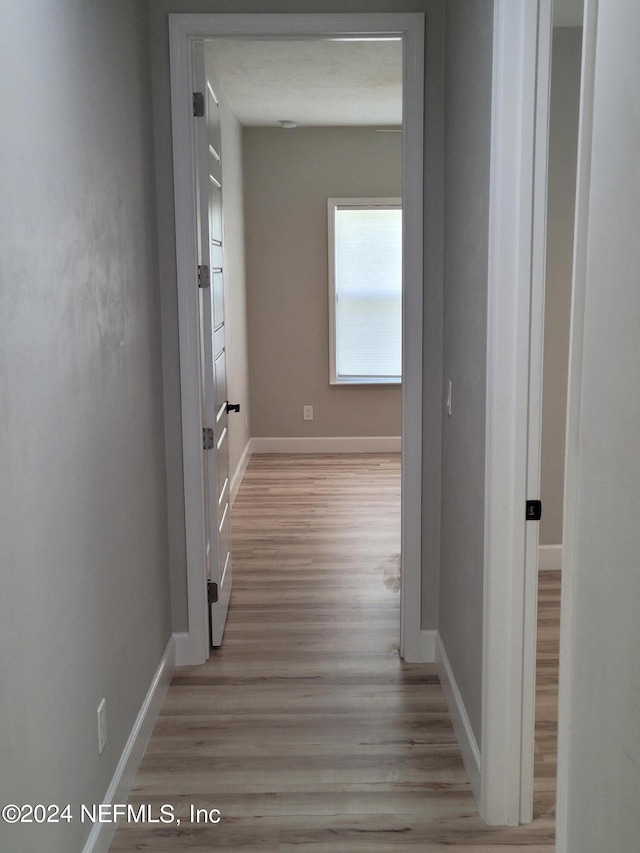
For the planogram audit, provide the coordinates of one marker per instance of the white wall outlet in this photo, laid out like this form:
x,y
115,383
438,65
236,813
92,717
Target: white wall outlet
x,y
449,384
307,413
102,725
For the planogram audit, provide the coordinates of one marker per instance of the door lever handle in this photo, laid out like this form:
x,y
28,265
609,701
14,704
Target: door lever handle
x,y
233,407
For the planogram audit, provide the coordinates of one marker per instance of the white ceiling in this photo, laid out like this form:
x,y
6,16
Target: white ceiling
x,y
322,81
312,82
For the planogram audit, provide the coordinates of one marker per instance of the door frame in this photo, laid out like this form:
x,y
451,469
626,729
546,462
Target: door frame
x,y
515,311
578,297
183,30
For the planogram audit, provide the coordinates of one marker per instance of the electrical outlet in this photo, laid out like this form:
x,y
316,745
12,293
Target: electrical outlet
x,y
307,413
102,725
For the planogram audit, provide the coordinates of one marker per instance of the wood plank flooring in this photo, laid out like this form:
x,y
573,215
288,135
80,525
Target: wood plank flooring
x,y
547,654
305,729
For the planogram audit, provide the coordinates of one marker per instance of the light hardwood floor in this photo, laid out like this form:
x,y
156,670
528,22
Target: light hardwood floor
x,y
547,654
305,729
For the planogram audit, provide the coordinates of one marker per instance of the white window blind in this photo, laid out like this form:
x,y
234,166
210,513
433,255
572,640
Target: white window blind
x,y
366,290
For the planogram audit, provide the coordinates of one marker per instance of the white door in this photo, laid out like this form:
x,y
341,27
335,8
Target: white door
x,y
215,404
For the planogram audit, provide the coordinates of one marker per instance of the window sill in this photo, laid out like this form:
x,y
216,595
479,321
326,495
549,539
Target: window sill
x,y
363,380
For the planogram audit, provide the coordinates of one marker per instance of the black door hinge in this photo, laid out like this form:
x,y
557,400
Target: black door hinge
x,y
212,592
207,438
534,510
198,104
204,279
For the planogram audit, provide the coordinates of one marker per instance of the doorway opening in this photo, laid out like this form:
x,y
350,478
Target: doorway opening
x,y
314,305
185,31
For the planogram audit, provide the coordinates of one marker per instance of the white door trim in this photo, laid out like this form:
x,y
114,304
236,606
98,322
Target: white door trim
x,y
536,358
513,304
569,567
183,29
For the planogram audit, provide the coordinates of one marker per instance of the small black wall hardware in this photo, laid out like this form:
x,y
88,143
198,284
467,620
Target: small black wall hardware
x,y
233,407
204,279
207,438
198,104
534,510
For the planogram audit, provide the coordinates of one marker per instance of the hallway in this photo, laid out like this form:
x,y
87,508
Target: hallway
x,y
305,729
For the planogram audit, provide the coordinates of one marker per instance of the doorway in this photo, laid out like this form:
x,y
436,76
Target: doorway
x,y
184,29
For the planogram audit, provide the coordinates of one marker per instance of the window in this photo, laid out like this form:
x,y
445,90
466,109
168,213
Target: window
x,y
365,290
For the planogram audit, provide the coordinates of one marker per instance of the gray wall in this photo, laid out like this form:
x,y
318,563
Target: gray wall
x,y
563,142
600,693
433,311
288,177
84,610
468,82
158,12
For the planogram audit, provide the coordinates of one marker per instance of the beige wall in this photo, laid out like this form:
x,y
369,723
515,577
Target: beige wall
x,y
288,177
563,141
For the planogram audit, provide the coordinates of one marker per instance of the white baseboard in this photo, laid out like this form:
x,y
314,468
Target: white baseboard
x,y
238,474
118,791
549,558
461,725
328,444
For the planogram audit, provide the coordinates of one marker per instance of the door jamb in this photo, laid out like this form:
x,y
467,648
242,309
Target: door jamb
x,y
569,565
536,363
183,29
515,301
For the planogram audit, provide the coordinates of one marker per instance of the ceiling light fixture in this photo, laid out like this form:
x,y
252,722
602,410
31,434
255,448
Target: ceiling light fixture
x,y
285,122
